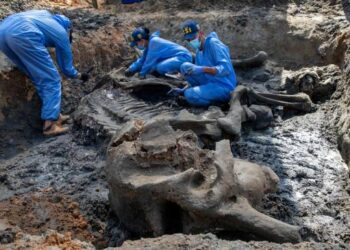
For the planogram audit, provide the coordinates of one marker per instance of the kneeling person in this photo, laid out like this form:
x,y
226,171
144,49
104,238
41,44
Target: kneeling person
x,y
159,55
212,78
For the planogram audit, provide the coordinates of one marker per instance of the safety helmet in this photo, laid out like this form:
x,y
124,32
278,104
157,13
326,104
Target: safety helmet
x,y
138,34
190,28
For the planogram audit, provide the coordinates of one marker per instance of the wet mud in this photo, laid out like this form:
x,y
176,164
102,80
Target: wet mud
x,y
314,185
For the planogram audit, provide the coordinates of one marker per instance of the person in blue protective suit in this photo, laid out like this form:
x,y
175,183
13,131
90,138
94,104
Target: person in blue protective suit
x,y
212,78
159,55
23,39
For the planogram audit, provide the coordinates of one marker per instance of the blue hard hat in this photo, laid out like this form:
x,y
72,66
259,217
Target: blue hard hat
x,y
63,20
190,29
138,34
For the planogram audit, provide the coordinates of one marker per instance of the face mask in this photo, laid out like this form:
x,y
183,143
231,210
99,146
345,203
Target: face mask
x,y
195,43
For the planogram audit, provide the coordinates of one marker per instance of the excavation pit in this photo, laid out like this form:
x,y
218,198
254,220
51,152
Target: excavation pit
x,y
308,152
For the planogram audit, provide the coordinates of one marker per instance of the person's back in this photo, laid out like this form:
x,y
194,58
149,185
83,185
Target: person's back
x,y
24,38
160,55
47,30
41,19
165,49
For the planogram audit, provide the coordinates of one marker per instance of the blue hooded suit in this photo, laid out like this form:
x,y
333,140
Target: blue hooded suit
x,y
162,56
23,39
206,89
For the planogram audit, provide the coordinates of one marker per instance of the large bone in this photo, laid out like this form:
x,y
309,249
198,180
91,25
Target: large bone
x,y
150,165
301,101
254,61
231,124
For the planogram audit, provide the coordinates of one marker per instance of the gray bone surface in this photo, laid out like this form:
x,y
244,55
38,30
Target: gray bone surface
x,y
156,167
119,99
254,61
247,104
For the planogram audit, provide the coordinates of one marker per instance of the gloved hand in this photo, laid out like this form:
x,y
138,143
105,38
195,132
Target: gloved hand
x,y
191,69
176,91
83,76
129,73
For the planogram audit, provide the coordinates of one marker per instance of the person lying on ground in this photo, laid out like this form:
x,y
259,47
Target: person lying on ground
x,y
212,78
24,38
159,55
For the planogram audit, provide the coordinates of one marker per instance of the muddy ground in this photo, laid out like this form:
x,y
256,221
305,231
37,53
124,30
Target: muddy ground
x,y
59,183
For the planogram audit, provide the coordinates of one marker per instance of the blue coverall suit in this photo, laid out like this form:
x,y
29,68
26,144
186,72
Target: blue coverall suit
x,y
24,38
162,56
206,89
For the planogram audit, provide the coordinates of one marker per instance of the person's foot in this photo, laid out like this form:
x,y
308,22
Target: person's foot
x,y
54,129
62,119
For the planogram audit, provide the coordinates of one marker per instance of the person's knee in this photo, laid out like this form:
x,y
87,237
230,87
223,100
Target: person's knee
x,y
185,67
161,69
194,99
185,59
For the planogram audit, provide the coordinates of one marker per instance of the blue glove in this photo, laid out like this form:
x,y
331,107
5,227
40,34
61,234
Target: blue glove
x,y
191,69
176,91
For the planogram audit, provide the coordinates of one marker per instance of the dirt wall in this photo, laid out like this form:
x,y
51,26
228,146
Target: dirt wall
x,y
286,31
342,120
98,44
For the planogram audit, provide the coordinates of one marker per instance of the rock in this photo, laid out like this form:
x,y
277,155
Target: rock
x,y
261,76
263,116
7,236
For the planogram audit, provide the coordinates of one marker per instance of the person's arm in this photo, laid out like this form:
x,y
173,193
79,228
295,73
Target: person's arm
x,y
210,70
64,55
151,58
222,64
137,65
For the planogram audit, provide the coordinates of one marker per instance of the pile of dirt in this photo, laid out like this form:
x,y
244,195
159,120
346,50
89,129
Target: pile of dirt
x,y
50,240
9,7
37,212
